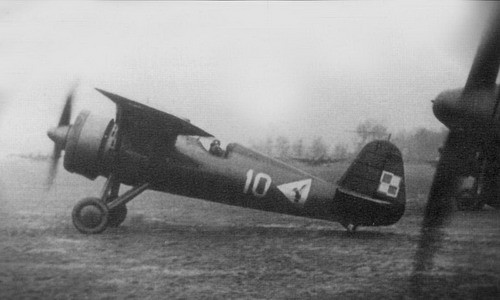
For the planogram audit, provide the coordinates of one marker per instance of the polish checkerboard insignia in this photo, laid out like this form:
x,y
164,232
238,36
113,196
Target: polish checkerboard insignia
x,y
389,184
297,192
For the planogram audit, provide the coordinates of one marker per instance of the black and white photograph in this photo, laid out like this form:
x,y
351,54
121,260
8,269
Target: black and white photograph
x,y
249,150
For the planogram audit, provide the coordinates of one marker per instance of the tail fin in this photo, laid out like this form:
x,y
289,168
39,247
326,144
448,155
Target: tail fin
x,y
372,191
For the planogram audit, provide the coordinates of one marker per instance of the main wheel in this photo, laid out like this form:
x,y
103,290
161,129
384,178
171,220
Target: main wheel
x,y
117,215
90,216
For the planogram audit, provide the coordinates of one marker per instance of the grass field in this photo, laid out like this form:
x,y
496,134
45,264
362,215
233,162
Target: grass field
x,y
173,247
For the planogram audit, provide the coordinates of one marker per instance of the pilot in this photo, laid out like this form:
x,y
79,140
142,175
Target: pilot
x,y
215,148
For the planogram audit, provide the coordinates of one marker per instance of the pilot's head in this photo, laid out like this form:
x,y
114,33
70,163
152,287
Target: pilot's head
x,y
216,143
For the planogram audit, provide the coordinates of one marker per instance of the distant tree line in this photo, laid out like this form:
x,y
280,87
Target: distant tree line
x,y
419,145
32,156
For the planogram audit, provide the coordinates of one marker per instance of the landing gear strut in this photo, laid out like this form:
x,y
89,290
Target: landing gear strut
x,y
117,216
94,215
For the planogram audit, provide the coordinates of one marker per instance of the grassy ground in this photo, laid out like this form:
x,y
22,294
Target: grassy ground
x,y
173,247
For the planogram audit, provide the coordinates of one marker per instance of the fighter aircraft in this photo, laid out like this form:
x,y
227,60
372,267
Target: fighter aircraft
x,y
470,152
149,149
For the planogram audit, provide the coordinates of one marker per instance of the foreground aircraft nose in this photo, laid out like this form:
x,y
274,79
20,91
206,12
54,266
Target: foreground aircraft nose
x,y
58,135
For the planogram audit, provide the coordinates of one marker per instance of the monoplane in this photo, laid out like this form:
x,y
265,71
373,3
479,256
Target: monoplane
x,y
470,167
149,149
469,160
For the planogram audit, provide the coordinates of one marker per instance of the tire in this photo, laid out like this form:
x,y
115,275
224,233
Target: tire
x,y
90,216
117,215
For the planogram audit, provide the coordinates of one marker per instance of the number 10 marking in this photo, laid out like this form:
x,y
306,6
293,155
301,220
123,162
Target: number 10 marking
x,y
256,183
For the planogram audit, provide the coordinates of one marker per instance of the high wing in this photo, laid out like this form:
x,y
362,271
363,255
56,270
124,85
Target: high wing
x,y
149,131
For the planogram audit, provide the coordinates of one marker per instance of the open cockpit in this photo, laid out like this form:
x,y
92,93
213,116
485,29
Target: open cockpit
x,y
214,146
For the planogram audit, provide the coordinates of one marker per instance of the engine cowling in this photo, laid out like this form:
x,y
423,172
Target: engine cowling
x,y
90,145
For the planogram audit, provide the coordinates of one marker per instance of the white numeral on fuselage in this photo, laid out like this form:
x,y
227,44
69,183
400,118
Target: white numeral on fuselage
x,y
256,182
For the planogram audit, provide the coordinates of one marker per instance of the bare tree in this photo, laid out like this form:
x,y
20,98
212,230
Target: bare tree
x,y
370,130
318,149
282,146
298,148
269,146
340,151
426,144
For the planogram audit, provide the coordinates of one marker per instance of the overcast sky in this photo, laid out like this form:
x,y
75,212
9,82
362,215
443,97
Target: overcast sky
x,y
240,70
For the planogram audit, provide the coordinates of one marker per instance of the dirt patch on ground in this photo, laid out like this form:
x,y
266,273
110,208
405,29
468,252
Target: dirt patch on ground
x,y
174,247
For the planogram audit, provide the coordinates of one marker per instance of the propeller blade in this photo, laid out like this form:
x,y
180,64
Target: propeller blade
x,y
439,207
66,113
484,70
54,161
444,183
58,135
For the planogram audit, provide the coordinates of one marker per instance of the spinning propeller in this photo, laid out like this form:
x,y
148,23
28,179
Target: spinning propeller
x,y
58,135
469,114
